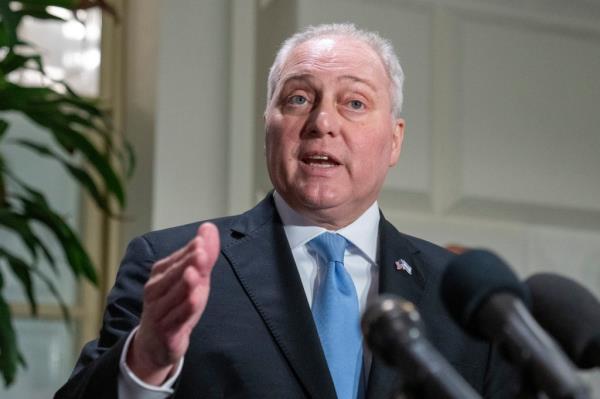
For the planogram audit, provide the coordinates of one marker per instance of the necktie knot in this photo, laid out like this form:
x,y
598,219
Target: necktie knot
x,y
329,246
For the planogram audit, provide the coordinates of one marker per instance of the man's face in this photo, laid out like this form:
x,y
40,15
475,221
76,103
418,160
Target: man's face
x,y
330,134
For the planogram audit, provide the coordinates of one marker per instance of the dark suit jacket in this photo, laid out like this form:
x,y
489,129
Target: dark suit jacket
x,y
257,338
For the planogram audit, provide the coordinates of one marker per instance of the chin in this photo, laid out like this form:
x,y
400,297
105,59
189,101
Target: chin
x,y
318,199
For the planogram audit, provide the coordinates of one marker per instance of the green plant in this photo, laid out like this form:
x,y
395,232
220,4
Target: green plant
x,y
83,134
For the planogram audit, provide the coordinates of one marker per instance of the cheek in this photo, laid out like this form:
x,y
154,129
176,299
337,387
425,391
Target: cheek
x,y
273,137
282,137
371,154
276,146
280,150
371,146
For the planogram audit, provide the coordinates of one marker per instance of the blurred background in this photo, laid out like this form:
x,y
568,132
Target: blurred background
x,y
502,145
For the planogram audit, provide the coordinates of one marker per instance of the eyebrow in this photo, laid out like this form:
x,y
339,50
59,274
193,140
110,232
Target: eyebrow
x,y
300,77
358,80
309,78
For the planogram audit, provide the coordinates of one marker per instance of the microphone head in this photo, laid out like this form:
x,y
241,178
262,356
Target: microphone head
x,y
470,279
570,313
388,322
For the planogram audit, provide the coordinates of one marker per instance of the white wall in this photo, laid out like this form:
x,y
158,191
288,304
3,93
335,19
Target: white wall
x,y
190,154
141,32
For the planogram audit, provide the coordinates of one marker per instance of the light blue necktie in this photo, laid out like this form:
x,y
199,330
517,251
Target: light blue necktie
x,y
336,313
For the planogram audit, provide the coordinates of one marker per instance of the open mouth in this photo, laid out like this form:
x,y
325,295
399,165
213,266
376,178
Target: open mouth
x,y
320,160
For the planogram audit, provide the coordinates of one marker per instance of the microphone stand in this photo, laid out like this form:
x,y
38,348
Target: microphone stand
x,y
527,391
416,391
408,391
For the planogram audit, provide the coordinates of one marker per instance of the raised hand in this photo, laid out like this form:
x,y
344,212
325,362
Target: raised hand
x,y
175,297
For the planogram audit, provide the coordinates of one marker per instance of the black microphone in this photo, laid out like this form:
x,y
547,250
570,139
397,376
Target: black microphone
x,y
393,330
488,300
569,312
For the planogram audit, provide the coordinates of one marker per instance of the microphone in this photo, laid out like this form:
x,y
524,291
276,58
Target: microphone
x,y
487,299
570,313
393,330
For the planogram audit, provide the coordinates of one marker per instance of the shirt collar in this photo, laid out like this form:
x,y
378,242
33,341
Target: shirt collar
x,y
363,233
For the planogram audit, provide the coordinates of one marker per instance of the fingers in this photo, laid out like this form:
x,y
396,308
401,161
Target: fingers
x,y
201,252
161,283
169,320
185,315
212,245
178,294
165,264
175,297
207,239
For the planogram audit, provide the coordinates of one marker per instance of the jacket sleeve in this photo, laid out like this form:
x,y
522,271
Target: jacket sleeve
x,y
97,369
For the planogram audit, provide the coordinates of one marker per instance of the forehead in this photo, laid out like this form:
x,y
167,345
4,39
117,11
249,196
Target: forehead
x,y
335,55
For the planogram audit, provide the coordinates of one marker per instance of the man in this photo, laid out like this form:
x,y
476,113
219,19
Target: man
x,y
239,307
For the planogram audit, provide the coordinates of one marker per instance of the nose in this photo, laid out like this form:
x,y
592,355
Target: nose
x,y
323,120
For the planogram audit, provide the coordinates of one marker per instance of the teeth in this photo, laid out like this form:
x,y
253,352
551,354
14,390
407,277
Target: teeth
x,y
320,161
325,165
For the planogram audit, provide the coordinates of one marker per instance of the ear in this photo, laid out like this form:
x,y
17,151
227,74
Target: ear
x,y
397,138
265,115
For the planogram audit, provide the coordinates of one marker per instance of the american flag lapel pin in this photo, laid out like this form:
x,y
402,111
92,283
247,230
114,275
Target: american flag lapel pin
x,y
401,265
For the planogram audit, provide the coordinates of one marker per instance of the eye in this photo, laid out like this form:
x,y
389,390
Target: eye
x,y
356,104
297,100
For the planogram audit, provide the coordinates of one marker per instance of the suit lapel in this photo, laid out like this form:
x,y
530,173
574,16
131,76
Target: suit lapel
x,y
263,262
394,247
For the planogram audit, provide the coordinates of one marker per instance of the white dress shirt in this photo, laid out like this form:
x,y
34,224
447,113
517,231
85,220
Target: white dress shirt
x,y
359,260
359,257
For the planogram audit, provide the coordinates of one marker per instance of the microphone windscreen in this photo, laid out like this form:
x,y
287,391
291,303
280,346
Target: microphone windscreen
x,y
470,279
570,313
388,322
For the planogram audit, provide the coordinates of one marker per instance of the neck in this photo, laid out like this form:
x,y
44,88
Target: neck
x,y
330,219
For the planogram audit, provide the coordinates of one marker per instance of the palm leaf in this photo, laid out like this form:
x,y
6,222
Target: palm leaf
x,y
10,356
18,224
3,36
13,61
21,270
34,206
37,11
70,138
78,173
24,272
10,21
77,258
33,102
84,131
70,4
2,183
3,126
56,293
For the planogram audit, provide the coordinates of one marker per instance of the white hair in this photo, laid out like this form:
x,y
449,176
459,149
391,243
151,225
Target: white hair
x,y
381,46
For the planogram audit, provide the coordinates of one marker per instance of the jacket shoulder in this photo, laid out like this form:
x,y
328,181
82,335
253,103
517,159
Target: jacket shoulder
x,y
165,241
430,250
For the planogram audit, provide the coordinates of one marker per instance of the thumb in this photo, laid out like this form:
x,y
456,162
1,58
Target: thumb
x,y
210,235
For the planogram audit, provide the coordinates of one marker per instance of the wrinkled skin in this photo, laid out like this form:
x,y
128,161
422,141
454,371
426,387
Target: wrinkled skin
x,y
332,100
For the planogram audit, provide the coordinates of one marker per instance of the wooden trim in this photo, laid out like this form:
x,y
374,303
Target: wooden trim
x,y
45,312
100,234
